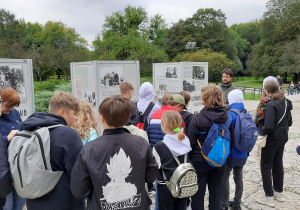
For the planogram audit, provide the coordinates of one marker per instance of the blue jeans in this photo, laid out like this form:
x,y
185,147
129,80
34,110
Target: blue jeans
x,y
14,202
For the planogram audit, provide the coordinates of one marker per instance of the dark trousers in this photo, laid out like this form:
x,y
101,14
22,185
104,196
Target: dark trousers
x,y
213,177
2,202
167,202
271,165
238,180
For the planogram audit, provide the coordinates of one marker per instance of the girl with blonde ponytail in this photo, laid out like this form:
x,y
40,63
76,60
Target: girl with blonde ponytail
x,y
176,143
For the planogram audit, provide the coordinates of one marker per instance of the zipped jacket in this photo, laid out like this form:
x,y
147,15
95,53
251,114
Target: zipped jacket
x,y
9,122
226,89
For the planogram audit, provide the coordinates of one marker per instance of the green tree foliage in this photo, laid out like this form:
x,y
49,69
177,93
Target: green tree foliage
x,y
242,46
122,22
290,59
280,25
129,35
207,27
131,47
250,31
217,62
51,46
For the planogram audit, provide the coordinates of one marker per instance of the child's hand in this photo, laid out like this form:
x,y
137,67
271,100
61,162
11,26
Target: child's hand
x,y
12,134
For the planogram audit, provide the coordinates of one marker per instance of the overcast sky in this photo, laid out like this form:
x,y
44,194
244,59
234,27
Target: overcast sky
x,y
87,16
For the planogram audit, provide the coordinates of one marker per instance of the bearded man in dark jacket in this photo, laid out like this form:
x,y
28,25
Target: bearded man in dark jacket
x,y
226,85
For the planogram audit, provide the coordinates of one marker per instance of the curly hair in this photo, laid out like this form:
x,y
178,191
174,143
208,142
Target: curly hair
x,y
212,96
86,120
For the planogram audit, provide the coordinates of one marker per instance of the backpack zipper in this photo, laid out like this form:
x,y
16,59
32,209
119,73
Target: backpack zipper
x,y
42,149
223,151
18,166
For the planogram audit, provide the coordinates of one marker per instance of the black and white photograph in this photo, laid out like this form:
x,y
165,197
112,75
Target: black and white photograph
x,y
12,76
168,73
189,86
171,72
111,76
90,97
199,72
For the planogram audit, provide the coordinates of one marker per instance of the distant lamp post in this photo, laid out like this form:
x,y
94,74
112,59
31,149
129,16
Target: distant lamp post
x,y
190,45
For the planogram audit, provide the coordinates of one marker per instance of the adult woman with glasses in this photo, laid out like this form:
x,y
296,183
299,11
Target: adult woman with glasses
x,y
10,125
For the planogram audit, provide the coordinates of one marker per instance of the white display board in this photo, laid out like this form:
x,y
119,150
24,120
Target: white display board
x,y
175,77
17,74
93,81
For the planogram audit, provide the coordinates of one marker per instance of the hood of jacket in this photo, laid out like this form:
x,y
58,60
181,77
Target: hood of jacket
x,y
41,119
216,114
146,93
176,146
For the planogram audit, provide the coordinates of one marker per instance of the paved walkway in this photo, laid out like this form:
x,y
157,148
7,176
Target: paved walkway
x,y
291,160
252,176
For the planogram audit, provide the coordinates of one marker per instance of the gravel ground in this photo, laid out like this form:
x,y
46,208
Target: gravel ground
x,y
252,176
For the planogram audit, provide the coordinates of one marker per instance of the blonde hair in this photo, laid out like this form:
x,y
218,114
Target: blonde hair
x,y
62,100
172,120
86,119
212,96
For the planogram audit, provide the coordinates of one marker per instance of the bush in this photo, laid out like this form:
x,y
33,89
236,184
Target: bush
x,y
48,85
42,97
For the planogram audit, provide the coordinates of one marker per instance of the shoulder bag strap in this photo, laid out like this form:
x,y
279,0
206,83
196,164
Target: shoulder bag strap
x,y
284,112
149,108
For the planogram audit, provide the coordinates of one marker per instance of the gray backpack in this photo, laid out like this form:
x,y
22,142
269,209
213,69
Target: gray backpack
x,y
183,182
29,159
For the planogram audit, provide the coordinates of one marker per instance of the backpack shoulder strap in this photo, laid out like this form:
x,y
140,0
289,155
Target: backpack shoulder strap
x,y
175,157
235,111
55,126
149,108
228,121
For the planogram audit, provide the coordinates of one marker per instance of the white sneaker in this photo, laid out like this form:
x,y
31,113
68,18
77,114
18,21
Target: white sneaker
x,y
268,201
279,196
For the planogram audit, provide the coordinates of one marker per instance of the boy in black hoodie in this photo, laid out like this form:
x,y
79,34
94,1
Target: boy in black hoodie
x,y
213,111
65,145
111,171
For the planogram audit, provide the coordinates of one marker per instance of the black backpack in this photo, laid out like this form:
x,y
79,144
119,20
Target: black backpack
x,y
142,118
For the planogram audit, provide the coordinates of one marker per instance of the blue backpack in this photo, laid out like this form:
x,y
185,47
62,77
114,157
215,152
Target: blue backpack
x,y
246,132
216,147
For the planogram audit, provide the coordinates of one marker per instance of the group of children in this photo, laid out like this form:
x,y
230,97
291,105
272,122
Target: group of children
x,y
110,171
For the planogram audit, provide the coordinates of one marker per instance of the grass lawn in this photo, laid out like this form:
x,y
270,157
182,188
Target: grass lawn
x,y
249,96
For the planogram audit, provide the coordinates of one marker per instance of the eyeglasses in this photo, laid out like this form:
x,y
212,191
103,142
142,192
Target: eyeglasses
x,y
1,102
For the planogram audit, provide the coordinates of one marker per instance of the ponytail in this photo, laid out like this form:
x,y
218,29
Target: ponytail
x,y
181,135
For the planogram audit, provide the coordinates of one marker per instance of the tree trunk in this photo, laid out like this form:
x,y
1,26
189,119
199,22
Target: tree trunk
x,y
285,77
